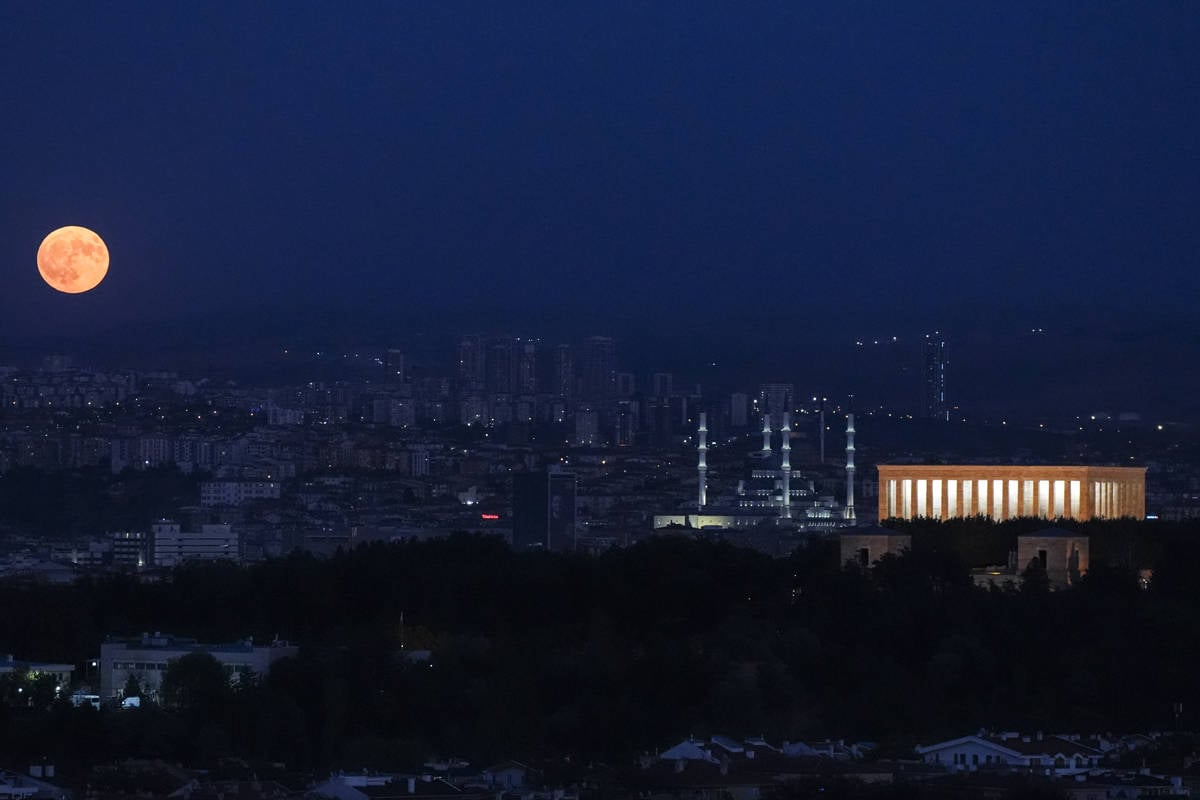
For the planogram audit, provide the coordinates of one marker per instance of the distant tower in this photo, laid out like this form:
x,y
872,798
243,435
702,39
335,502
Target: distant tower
x,y
526,367
822,431
501,367
471,363
850,466
766,431
933,375
599,369
703,448
393,366
564,373
786,465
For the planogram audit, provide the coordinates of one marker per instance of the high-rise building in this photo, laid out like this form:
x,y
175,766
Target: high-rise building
x,y
599,368
526,365
659,421
393,366
933,377
471,362
626,425
774,399
500,367
739,410
544,510
564,372
662,384
626,384
587,428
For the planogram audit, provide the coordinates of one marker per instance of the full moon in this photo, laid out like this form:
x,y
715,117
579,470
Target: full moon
x,y
73,259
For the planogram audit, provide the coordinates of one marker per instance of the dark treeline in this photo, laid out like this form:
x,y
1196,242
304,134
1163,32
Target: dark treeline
x,y
978,541
537,654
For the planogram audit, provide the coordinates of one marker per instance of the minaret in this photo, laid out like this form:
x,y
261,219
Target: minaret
x,y
850,466
703,448
786,465
766,432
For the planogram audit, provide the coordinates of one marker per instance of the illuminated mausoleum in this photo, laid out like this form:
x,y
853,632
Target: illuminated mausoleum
x,y
908,491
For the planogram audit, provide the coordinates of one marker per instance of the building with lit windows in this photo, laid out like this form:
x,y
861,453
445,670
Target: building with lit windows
x,y
131,549
236,493
173,546
933,375
908,491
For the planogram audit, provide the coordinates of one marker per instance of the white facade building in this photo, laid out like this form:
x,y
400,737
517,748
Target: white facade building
x,y
1055,754
235,493
146,659
172,546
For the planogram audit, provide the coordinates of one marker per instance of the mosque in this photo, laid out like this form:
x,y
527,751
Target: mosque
x,y
770,493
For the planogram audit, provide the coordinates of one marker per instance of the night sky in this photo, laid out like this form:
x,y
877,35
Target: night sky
x,y
789,171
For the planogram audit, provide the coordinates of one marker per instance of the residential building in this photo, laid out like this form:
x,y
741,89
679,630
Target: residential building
x,y
1056,754
236,493
131,549
173,546
599,364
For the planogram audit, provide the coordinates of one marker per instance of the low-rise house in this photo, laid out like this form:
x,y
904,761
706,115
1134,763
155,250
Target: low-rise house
x,y
30,787
398,787
724,768
506,775
697,779
233,790
1039,753
1125,786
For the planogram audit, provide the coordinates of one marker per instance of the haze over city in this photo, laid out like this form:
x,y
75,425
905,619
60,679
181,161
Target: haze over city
x,y
773,185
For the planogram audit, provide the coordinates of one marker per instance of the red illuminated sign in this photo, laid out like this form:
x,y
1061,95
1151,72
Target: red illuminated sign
x,y
489,516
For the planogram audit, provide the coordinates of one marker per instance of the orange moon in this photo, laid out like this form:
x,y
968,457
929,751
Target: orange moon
x,y
73,259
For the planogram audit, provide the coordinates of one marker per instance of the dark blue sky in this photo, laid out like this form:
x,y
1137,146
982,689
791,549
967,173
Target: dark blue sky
x,y
868,164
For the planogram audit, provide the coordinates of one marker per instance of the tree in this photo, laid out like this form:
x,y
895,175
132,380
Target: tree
x,y
132,687
196,682
1034,579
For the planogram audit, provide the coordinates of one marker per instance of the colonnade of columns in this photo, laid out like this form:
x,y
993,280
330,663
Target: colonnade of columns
x,y
1057,492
